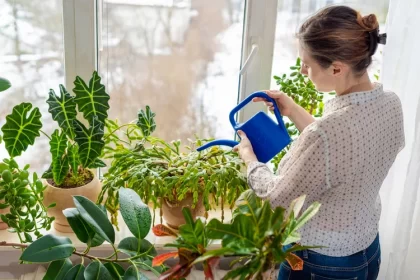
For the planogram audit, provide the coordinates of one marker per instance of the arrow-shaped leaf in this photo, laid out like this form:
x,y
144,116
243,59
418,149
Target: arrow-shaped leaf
x,y
90,141
146,121
48,248
92,100
60,162
21,128
63,109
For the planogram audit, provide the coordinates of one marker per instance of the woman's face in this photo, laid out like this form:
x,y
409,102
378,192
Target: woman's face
x,y
323,79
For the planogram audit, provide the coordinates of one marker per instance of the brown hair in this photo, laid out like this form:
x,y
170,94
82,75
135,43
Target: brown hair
x,y
340,33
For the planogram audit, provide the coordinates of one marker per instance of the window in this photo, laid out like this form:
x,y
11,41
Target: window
x,y
31,57
180,57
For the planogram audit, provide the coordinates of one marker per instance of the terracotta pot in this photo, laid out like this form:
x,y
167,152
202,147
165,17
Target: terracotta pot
x,y
3,211
172,213
64,199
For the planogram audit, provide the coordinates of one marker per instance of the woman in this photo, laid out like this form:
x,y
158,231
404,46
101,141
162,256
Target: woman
x,y
341,159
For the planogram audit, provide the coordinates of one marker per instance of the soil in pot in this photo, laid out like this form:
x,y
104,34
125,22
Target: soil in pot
x,y
172,212
63,197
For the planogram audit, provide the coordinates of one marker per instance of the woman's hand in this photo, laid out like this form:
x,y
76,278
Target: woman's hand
x,y
245,149
284,102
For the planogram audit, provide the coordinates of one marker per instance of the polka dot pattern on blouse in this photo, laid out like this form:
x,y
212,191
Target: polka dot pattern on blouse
x,y
340,160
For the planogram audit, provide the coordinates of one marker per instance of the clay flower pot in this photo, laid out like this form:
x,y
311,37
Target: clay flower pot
x,y
64,199
172,213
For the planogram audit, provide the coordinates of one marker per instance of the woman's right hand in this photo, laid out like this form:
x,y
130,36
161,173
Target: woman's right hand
x,y
284,102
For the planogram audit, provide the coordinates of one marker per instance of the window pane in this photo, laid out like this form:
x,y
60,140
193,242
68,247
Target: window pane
x,y
31,57
181,57
292,13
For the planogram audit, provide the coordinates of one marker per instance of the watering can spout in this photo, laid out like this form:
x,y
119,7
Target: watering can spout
x,y
229,143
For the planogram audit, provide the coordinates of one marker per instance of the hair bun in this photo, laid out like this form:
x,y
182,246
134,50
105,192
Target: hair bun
x,y
369,22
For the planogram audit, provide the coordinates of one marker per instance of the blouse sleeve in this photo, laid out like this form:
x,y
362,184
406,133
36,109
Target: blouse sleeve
x,y
303,172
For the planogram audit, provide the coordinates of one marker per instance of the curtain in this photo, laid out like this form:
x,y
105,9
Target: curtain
x,y
400,222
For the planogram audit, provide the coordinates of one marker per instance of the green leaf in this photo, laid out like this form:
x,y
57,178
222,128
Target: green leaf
x,y
296,205
48,174
48,248
63,110
75,273
82,230
277,219
264,218
21,128
58,269
214,253
94,216
135,213
97,271
307,215
92,100
116,270
248,203
146,121
291,238
60,163
97,240
90,141
4,84
133,273
98,163
131,247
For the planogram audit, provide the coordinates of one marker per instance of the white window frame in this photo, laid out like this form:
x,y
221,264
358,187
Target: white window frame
x,y
81,45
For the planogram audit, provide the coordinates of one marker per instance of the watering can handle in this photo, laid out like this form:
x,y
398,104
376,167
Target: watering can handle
x,y
249,99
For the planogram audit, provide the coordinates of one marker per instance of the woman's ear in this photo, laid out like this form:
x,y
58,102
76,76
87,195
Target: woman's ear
x,y
338,68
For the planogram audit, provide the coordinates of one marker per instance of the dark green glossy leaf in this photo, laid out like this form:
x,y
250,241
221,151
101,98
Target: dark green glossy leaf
x,y
4,84
135,213
133,273
60,163
82,230
76,273
73,158
94,216
92,100
97,271
21,128
146,121
116,270
57,269
90,141
131,247
63,109
264,218
48,248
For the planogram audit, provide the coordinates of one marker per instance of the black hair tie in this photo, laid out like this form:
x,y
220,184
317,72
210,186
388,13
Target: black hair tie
x,y
374,39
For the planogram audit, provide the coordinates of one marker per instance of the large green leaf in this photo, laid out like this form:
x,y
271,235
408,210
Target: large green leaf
x,y
116,270
92,100
90,141
48,248
192,232
58,269
135,213
264,218
94,216
97,271
63,109
133,273
60,163
21,128
4,84
82,230
146,121
131,247
247,203
76,273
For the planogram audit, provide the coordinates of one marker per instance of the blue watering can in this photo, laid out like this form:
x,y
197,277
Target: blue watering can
x,y
266,136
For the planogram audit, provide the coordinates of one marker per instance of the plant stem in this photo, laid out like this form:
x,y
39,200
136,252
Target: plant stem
x,y
118,128
45,134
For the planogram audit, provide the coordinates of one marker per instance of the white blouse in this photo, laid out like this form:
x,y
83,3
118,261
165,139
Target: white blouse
x,y
341,161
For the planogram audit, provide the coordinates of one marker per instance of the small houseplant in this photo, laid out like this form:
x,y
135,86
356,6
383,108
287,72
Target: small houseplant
x,y
255,236
75,147
92,227
163,174
303,91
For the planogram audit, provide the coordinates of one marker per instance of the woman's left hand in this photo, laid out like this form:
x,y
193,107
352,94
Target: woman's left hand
x,y
245,149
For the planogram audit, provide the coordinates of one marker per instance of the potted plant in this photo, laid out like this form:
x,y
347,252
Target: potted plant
x,y
303,91
255,236
75,147
164,175
132,256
